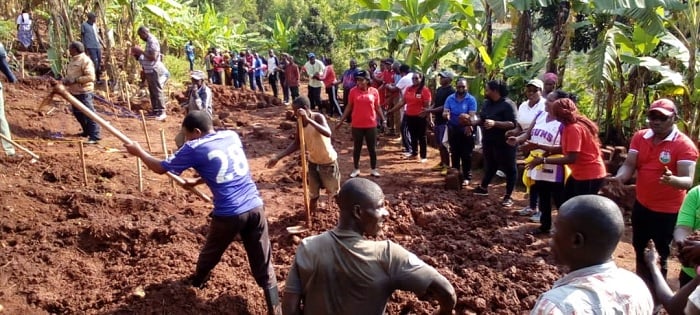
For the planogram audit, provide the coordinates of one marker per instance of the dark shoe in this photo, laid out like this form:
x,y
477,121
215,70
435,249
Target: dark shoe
x,y
198,280
507,202
540,232
480,191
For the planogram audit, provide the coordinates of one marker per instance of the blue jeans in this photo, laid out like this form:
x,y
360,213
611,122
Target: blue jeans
x,y
90,127
5,69
95,55
191,61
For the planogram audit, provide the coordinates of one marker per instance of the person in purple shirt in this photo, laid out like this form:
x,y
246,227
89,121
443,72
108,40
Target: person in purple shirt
x,y
219,159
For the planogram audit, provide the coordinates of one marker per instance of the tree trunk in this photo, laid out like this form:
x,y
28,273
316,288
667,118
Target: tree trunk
x,y
523,39
558,37
489,29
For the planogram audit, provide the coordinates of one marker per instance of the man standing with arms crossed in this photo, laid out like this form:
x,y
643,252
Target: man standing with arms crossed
x,y
323,159
664,159
340,272
238,209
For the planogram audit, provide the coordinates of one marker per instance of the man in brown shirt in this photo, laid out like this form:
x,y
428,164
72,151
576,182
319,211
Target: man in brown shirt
x,y
291,73
80,82
340,272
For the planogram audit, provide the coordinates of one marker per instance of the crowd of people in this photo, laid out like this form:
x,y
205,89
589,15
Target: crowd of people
x,y
342,272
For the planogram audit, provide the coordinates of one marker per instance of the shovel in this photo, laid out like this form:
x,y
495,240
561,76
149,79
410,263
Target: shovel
x,y
297,229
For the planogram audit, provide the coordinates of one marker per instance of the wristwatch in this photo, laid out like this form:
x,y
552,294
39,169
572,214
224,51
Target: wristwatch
x,y
544,160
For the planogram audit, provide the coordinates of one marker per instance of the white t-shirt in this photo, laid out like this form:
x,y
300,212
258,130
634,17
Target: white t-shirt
x,y
526,113
405,82
24,22
549,133
272,65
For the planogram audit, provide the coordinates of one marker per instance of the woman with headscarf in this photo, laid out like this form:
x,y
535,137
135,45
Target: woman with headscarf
x,y
550,80
364,108
581,149
24,29
543,138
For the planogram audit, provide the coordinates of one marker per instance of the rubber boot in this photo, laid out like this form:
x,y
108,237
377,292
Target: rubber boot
x,y
199,279
272,298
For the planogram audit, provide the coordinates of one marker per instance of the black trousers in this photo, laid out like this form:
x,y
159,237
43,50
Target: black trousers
x,y
546,191
416,128
252,227
285,88
315,97
272,80
369,136
651,225
576,187
294,90
332,92
499,156
461,149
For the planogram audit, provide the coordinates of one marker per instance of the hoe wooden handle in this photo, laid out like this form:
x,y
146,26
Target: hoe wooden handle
x,y
304,172
59,89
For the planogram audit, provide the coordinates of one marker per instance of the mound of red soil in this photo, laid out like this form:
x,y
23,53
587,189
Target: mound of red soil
x,y
106,248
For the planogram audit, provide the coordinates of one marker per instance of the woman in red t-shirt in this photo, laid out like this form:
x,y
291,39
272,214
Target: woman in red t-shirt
x,y
581,149
417,99
331,83
363,105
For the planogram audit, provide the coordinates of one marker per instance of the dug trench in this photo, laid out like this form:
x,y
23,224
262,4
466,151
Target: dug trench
x,y
107,248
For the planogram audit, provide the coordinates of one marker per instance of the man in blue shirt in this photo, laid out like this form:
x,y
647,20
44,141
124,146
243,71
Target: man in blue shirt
x,y
4,66
461,136
219,159
189,52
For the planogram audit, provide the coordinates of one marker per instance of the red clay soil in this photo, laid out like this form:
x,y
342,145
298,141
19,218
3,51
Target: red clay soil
x,y
106,248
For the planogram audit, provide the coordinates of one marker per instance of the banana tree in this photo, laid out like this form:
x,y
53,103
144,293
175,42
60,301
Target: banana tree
x,y
283,35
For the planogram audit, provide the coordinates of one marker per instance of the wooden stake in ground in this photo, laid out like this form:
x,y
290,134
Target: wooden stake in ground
x,y
165,150
145,130
19,146
22,67
140,172
304,172
61,90
82,162
127,87
107,88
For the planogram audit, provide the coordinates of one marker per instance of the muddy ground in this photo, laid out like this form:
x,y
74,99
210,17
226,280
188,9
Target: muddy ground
x,y
104,247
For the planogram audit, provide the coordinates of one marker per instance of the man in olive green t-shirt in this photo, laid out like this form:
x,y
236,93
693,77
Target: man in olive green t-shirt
x,y
340,272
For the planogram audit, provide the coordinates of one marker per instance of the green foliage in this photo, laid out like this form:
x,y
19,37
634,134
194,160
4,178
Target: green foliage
x,y
283,36
179,69
7,31
315,35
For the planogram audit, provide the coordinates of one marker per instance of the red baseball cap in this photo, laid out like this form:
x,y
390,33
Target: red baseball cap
x,y
663,106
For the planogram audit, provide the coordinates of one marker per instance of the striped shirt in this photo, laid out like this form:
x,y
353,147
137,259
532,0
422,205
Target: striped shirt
x,y
152,46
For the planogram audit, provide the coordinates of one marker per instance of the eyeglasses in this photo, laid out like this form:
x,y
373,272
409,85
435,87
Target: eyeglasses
x,y
658,118
416,79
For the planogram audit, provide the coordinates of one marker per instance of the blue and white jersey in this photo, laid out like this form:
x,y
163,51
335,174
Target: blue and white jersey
x,y
220,160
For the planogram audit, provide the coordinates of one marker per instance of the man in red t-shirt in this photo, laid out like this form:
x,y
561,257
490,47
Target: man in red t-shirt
x,y
664,159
